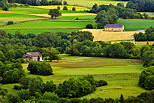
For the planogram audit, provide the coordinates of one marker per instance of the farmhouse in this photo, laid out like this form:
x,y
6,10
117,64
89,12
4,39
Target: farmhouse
x,y
114,27
34,56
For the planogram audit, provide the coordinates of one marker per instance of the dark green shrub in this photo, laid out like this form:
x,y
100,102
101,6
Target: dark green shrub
x,y
17,87
89,26
9,22
40,68
76,87
65,8
73,9
146,79
101,83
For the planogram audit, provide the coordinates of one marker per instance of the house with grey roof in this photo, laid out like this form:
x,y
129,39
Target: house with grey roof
x,y
114,27
34,56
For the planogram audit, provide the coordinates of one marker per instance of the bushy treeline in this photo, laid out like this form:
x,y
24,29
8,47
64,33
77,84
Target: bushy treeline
x,y
146,79
42,2
141,5
34,89
49,97
147,36
147,55
105,49
11,73
13,46
109,14
78,87
40,68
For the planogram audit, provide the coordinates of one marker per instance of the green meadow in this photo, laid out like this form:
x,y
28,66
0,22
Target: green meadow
x,y
36,10
121,74
136,24
45,24
5,17
41,31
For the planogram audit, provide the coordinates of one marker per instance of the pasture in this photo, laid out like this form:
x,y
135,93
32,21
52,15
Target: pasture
x,y
5,17
121,74
41,31
100,35
136,24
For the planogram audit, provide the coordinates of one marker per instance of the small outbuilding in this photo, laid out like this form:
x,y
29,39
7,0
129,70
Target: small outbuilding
x,y
34,56
114,27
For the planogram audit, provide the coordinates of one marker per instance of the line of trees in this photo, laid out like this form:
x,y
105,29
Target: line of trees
x,y
147,36
42,2
109,14
141,5
49,97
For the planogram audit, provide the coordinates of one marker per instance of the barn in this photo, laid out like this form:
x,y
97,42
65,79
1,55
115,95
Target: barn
x,y
114,27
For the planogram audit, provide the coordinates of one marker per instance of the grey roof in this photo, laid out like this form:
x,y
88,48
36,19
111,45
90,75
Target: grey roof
x,y
33,54
113,25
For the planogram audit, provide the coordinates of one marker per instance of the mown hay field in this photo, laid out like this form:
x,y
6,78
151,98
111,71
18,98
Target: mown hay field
x,y
78,8
89,3
101,35
121,74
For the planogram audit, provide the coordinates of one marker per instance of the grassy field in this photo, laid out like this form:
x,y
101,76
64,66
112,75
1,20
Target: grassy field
x,y
121,74
45,24
100,35
5,17
89,3
37,10
151,14
136,24
41,31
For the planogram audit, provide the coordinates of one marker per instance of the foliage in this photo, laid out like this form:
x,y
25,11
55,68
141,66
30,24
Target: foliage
x,y
89,26
101,83
147,55
11,73
141,5
9,22
65,8
76,87
146,79
40,68
147,36
54,13
73,9
4,5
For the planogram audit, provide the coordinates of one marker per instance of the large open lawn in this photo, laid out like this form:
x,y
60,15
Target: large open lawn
x,y
121,74
136,24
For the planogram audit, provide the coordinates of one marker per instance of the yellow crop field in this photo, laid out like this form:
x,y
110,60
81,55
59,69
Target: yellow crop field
x,y
100,35
78,8
89,3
